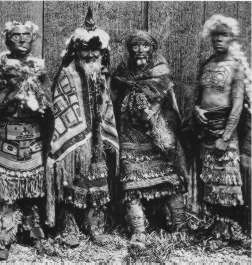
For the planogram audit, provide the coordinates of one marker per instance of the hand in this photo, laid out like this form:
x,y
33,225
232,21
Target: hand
x,y
50,162
221,146
200,115
32,102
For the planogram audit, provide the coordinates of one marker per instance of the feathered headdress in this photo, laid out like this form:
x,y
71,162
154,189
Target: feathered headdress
x,y
88,36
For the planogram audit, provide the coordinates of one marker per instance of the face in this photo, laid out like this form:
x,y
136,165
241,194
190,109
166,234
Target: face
x,y
90,61
141,53
221,41
89,55
20,41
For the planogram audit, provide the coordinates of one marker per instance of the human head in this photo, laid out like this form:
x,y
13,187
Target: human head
x,y
222,31
141,45
89,45
19,37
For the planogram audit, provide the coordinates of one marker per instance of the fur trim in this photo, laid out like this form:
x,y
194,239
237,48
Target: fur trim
x,y
39,63
10,25
10,220
215,20
85,36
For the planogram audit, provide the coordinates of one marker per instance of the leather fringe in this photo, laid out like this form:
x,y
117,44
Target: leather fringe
x,y
152,193
82,198
224,170
223,195
75,162
76,168
145,170
16,185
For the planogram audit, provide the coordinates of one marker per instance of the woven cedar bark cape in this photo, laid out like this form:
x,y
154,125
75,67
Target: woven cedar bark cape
x,y
152,160
72,143
25,134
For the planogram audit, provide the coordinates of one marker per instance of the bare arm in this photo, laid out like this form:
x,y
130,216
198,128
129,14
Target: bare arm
x,y
237,105
198,112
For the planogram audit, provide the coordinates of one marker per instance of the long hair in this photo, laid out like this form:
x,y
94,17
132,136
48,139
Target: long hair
x,y
235,49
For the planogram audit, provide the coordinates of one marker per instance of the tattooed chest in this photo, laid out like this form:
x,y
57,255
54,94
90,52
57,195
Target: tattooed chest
x,y
217,78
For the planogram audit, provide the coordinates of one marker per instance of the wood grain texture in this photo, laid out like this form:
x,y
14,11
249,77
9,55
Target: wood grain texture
x,y
176,26
244,17
61,19
22,11
118,19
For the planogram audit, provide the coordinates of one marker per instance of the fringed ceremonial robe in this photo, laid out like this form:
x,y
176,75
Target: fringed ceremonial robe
x,y
24,137
147,118
24,134
85,133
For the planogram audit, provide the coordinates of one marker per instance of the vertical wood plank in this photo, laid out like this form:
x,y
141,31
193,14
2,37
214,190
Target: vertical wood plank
x,y
118,19
61,18
227,8
244,17
176,26
23,11
145,15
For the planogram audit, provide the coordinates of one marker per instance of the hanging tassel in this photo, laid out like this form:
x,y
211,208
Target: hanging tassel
x,y
16,185
223,195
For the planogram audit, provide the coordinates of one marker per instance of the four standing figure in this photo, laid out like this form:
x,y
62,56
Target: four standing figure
x,y
79,129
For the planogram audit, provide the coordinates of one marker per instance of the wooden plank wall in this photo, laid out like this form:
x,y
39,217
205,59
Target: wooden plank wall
x,y
61,18
175,24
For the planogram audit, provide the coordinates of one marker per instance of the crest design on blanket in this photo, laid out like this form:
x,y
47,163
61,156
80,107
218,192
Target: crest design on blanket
x,y
84,119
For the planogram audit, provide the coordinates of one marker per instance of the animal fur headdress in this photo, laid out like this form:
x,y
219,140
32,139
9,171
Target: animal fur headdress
x,y
10,25
90,37
215,21
235,48
140,35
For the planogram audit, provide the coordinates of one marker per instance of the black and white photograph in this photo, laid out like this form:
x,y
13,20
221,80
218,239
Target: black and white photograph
x,y
125,132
